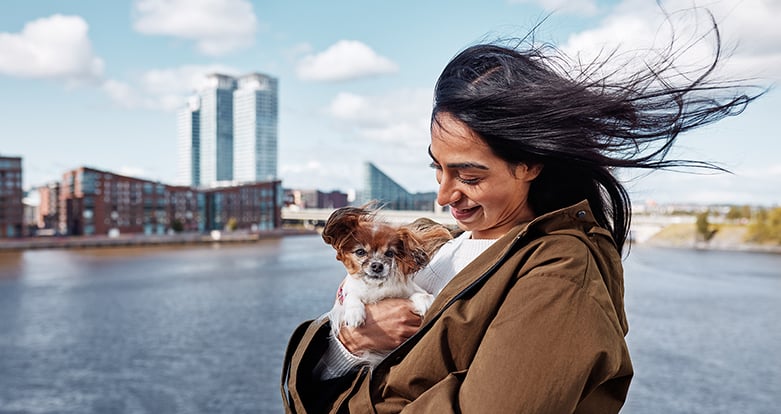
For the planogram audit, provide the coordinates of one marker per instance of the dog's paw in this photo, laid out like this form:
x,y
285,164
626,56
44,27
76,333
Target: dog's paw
x,y
354,316
421,302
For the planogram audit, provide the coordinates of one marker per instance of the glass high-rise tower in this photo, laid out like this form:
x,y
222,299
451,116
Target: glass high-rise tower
x,y
188,125
255,129
217,129
232,135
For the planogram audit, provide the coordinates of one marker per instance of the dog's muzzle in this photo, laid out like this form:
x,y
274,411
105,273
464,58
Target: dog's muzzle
x,y
376,270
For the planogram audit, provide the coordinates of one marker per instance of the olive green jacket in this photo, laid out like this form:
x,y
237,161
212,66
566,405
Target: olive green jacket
x,y
535,324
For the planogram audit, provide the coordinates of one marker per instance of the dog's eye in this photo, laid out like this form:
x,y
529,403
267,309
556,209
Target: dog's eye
x,y
389,253
360,252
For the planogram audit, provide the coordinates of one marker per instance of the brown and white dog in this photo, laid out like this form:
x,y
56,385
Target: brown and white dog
x,y
380,259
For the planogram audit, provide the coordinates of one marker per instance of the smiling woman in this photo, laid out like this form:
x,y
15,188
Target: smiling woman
x,y
486,195
529,309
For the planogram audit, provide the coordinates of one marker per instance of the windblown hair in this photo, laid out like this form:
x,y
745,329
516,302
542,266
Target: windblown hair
x,y
530,105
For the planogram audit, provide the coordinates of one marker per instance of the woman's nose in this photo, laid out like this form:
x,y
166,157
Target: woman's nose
x,y
447,193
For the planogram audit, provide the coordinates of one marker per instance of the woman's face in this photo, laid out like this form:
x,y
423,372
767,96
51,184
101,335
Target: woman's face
x,y
486,195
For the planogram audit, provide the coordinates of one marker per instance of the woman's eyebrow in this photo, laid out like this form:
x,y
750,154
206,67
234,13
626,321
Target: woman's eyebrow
x,y
459,165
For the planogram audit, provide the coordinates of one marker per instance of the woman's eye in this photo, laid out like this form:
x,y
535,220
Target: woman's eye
x,y
360,252
469,181
389,253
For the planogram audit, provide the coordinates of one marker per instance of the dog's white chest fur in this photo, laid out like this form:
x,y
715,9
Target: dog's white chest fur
x,y
356,293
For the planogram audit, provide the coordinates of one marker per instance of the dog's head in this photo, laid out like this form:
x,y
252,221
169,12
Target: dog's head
x,y
371,249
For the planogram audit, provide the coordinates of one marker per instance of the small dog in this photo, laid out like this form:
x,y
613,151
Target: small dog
x,y
380,259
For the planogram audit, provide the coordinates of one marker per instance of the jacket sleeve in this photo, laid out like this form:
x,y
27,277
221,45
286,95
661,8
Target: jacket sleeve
x,y
551,348
302,391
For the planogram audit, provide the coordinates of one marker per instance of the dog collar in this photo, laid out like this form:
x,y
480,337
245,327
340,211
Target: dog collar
x,y
340,295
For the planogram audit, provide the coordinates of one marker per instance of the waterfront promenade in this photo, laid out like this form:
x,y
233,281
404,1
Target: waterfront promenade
x,y
131,240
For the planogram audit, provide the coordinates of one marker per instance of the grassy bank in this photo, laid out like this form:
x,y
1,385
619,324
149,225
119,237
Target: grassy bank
x,y
728,237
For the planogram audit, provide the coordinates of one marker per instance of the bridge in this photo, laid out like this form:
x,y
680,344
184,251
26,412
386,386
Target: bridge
x,y
317,216
643,226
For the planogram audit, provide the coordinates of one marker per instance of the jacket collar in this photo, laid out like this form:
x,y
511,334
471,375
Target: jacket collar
x,y
576,216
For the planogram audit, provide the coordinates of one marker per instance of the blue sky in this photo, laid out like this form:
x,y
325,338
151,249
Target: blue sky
x,y
97,83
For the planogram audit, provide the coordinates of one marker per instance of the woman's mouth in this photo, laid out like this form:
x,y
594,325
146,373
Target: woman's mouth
x,y
462,214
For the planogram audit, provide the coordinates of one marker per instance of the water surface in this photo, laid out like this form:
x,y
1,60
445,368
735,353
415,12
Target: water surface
x,y
203,329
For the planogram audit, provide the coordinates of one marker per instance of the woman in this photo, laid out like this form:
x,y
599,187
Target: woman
x,y
529,313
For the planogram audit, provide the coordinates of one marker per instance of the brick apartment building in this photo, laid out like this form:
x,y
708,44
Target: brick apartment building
x,y
11,194
94,202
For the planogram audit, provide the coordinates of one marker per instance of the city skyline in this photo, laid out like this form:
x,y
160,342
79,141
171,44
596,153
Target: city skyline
x,y
355,83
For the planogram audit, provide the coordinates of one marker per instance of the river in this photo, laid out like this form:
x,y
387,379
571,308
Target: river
x,y
203,329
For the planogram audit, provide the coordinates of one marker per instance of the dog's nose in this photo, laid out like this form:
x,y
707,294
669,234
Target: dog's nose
x,y
376,267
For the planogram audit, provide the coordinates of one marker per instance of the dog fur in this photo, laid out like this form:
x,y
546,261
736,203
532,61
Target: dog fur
x,y
380,260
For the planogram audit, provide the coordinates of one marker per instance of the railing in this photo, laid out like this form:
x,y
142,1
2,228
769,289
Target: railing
x,y
320,215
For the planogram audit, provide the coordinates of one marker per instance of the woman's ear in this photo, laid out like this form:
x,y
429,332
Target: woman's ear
x,y
527,171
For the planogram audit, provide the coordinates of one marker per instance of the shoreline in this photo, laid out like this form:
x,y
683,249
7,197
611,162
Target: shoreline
x,y
728,238
715,247
662,240
136,240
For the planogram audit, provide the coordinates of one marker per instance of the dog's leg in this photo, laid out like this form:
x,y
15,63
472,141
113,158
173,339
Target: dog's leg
x,y
354,312
421,301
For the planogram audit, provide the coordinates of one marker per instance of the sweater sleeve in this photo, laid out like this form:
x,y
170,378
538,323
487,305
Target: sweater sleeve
x,y
337,361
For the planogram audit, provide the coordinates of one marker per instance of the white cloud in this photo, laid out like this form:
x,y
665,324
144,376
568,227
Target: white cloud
x,y
312,174
758,186
161,89
122,94
749,26
55,47
217,26
586,7
400,117
344,60
390,130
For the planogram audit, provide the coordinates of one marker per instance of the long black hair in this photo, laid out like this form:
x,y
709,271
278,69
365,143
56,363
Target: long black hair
x,y
531,106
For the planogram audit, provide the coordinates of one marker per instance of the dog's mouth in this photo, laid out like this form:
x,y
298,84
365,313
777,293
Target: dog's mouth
x,y
377,271
375,275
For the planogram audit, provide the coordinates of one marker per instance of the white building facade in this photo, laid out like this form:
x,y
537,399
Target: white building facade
x,y
188,126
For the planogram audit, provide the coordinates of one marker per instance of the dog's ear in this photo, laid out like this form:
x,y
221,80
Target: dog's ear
x,y
430,235
411,255
342,223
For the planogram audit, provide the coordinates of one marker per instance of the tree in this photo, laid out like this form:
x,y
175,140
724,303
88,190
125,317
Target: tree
x,y
177,226
738,213
765,227
704,230
232,224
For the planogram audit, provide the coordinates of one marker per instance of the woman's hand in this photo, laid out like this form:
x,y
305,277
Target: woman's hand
x,y
388,323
